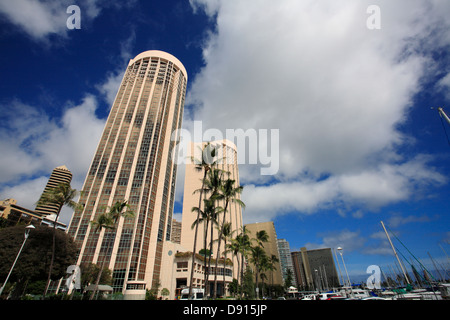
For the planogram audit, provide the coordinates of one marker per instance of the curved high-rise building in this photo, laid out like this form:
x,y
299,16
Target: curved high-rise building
x,y
133,163
59,175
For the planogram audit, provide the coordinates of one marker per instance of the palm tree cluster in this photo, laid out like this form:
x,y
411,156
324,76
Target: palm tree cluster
x,y
59,196
217,192
252,250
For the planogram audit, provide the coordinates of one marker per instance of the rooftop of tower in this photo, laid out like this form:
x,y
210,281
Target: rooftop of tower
x,y
160,54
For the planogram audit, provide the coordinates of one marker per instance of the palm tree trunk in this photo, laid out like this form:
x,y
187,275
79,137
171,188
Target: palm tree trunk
x,y
218,249
195,235
205,263
210,254
101,269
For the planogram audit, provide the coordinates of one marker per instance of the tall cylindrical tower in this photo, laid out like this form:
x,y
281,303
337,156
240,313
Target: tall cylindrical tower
x,y
133,163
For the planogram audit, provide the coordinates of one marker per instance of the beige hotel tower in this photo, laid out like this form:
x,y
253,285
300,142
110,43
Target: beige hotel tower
x,y
133,163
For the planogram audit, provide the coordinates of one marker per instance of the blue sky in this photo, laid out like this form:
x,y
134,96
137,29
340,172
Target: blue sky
x,y
358,141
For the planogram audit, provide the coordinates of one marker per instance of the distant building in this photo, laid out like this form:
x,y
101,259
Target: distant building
x,y
15,215
315,269
286,260
271,248
175,237
59,175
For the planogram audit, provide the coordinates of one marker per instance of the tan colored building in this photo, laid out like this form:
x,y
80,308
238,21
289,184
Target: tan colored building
x,y
59,175
176,231
15,215
177,257
227,158
270,247
133,162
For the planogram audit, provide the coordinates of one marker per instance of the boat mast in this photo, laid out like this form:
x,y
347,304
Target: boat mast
x,y
395,253
443,115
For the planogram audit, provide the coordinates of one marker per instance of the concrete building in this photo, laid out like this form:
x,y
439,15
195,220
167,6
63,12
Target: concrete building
x,y
181,254
59,175
270,247
15,215
315,269
176,231
286,260
133,162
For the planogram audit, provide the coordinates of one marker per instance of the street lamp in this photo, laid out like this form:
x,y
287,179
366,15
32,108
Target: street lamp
x,y
339,249
27,233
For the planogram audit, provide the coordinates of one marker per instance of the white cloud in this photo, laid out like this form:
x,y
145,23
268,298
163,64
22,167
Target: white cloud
x,y
336,90
37,144
39,19
348,240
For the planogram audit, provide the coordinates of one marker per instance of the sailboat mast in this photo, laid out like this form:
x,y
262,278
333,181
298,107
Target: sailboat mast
x,y
395,252
443,114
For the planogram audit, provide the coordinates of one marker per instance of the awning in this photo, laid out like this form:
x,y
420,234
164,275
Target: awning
x,y
101,287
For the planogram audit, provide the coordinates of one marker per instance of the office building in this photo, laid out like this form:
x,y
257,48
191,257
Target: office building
x,y
133,162
59,175
286,261
315,269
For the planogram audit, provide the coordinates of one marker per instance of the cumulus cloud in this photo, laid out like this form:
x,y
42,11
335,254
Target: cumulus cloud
x,y
349,240
37,144
40,19
336,90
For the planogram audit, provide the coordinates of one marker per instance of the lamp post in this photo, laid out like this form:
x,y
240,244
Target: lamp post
x,y
339,249
27,233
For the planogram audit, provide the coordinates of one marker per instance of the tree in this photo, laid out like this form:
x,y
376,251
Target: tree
x,y
258,255
59,196
34,261
108,221
207,216
261,238
208,153
289,278
271,265
165,292
240,245
228,193
258,258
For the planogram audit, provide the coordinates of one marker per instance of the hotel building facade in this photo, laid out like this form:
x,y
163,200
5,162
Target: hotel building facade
x,y
178,256
133,162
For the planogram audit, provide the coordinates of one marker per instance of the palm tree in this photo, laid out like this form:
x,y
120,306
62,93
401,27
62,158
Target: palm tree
x,y
226,234
202,165
261,238
271,265
229,194
104,221
258,255
207,216
59,196
109,220
240,245
258,258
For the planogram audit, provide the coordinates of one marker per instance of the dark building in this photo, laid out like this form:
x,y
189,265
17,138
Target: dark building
x,y
315,269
